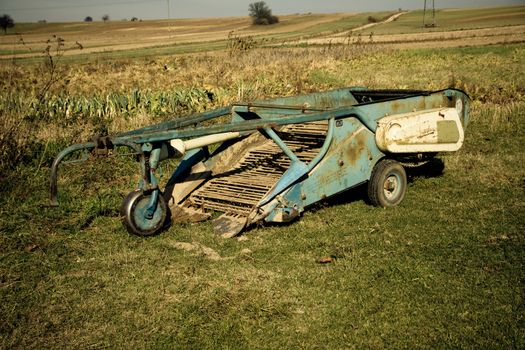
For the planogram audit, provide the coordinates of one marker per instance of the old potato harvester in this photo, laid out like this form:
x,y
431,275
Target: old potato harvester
x,y
272,159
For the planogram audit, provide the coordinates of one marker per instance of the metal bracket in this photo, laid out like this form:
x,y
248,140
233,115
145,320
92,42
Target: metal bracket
x,y
103,146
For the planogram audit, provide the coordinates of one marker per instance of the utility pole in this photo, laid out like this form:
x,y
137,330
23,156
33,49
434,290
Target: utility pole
x,y
433,24
424,11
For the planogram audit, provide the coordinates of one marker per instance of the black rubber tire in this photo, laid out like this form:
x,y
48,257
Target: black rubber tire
x,y
388,184
129,214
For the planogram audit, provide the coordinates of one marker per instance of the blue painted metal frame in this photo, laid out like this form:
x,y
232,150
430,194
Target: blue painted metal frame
x,y
345,160
348,163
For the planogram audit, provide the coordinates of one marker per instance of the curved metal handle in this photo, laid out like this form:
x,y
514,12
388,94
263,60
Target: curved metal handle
x,y
53,185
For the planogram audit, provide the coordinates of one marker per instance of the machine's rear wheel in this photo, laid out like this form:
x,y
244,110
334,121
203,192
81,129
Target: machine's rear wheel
x,y
133,214
388,184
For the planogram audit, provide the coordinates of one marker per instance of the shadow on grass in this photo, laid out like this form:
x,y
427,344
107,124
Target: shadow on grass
x,y
433,168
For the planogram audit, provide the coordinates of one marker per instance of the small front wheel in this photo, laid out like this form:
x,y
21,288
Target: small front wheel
x,y
388,184
135,219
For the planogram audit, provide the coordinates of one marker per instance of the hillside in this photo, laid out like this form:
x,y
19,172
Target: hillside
x,y
193,35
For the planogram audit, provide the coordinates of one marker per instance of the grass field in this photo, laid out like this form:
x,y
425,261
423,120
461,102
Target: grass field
x,y
173,36
152,38
456,19
454,28
445,269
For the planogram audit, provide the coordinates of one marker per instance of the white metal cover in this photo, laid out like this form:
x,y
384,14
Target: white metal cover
x,y
436,130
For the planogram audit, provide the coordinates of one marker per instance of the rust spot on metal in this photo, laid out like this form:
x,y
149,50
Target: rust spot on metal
x,y
421,105
395,107
355,148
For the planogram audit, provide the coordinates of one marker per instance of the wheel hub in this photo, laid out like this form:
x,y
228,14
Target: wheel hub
x,y
390,186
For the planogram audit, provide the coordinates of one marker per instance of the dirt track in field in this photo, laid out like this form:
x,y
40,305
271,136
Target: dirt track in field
x,y
370,25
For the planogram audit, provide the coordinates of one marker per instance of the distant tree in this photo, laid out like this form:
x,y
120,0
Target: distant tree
x,y
6,22
88,19
42,21
261,13
105,18
134,19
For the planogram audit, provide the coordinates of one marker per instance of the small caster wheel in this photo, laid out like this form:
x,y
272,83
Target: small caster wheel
x,y
134,217
388,184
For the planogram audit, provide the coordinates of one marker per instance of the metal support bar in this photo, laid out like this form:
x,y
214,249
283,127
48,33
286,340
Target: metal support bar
x,y
303,108
153,182
180,122
298,169
326,145
273,135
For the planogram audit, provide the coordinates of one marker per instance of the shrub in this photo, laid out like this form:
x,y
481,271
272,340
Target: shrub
x,y
6,22
261,14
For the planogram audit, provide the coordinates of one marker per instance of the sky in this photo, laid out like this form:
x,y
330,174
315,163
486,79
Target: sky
x,y
77,10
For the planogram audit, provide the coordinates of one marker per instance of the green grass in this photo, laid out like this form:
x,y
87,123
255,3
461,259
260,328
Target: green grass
x,y
457,19
14,52
445,269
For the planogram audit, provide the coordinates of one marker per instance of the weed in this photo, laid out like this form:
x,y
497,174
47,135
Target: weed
x,y
237,44
20,119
